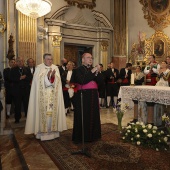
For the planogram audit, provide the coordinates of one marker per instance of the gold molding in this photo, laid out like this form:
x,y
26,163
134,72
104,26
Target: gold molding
x,y
104,45
2,24
157,13
158,44
82,3
160,40
56,40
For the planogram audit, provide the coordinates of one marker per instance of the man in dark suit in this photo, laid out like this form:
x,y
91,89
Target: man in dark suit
x,y
7,84
31,67
125,74
20,77
112,75
62,68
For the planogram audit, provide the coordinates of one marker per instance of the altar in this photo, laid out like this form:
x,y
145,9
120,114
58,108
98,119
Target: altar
x,y
151,95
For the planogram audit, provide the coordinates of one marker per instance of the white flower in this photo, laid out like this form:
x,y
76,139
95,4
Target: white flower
x,y
138,142
136,130
138,136
143,126
132,123
164,117
128,131
145,131
123,137
165,149
165,139
155,127
154,131
126,134
141,123
149,126
162,132
149,135
128,127
137,123
131,138
157,149
159,141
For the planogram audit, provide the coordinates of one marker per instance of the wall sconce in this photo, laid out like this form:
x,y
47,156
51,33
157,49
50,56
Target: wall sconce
x,y
2,24
42,34
56,40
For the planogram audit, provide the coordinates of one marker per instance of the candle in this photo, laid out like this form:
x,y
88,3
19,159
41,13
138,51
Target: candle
x,y
132,78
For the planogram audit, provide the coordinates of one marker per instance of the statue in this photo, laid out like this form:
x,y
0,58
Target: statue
x,y
10,54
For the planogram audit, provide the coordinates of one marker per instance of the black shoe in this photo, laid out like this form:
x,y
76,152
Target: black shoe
x,y
17,121
107,106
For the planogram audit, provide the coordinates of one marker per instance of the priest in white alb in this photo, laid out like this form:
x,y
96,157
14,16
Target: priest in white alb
x,y
46,112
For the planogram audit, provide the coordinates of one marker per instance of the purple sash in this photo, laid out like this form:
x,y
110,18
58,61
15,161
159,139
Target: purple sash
x,y
90,85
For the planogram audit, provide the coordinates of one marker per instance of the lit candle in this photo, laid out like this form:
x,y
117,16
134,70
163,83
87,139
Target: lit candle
x,y
132,78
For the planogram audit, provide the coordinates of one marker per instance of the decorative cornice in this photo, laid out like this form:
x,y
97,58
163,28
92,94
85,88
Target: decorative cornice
x,y
157,13
82,3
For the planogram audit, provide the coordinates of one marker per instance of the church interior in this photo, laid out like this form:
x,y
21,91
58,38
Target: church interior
x,y
119,31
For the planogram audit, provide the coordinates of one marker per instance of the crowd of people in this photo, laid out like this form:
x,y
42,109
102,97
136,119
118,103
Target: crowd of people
x,y
49,92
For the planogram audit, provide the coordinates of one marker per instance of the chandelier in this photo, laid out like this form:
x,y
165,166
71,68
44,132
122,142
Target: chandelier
x,y
34,8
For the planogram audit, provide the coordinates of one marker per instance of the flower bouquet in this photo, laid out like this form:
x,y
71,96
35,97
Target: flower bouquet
x,y
166,120
120,110
145,135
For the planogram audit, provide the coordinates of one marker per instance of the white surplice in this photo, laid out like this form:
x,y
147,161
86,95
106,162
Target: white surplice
x,y
46,112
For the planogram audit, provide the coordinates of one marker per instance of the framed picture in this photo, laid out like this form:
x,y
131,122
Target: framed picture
x,y
159,6
159,47
82,3
157,13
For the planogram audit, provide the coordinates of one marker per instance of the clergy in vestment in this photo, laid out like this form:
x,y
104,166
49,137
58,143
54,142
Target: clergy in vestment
x,y
46,112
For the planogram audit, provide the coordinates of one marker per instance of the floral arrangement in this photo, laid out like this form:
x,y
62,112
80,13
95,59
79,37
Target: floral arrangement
x,y
166,120
145,135
120,110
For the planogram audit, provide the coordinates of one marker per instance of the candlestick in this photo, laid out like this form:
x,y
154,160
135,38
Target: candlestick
x,y
132,79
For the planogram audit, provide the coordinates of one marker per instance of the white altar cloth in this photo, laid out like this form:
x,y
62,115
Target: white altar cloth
x,y
155,94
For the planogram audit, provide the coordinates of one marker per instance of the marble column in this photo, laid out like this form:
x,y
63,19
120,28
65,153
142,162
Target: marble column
x,y
120,34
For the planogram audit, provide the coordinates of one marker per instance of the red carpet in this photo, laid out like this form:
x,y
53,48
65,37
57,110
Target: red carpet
x,y
110,153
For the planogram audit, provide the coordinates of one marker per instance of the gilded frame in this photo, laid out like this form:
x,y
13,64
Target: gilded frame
x,y
157,13
158,41
82,3
2,24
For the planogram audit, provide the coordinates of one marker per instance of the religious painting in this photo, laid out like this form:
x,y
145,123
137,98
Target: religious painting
x,y
158,44
157,13
159,47
82,3
159,5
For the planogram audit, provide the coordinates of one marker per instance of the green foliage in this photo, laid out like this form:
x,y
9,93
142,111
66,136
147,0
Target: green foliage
x,y
145,135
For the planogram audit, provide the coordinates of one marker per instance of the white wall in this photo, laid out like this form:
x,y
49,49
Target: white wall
x,y
136,23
